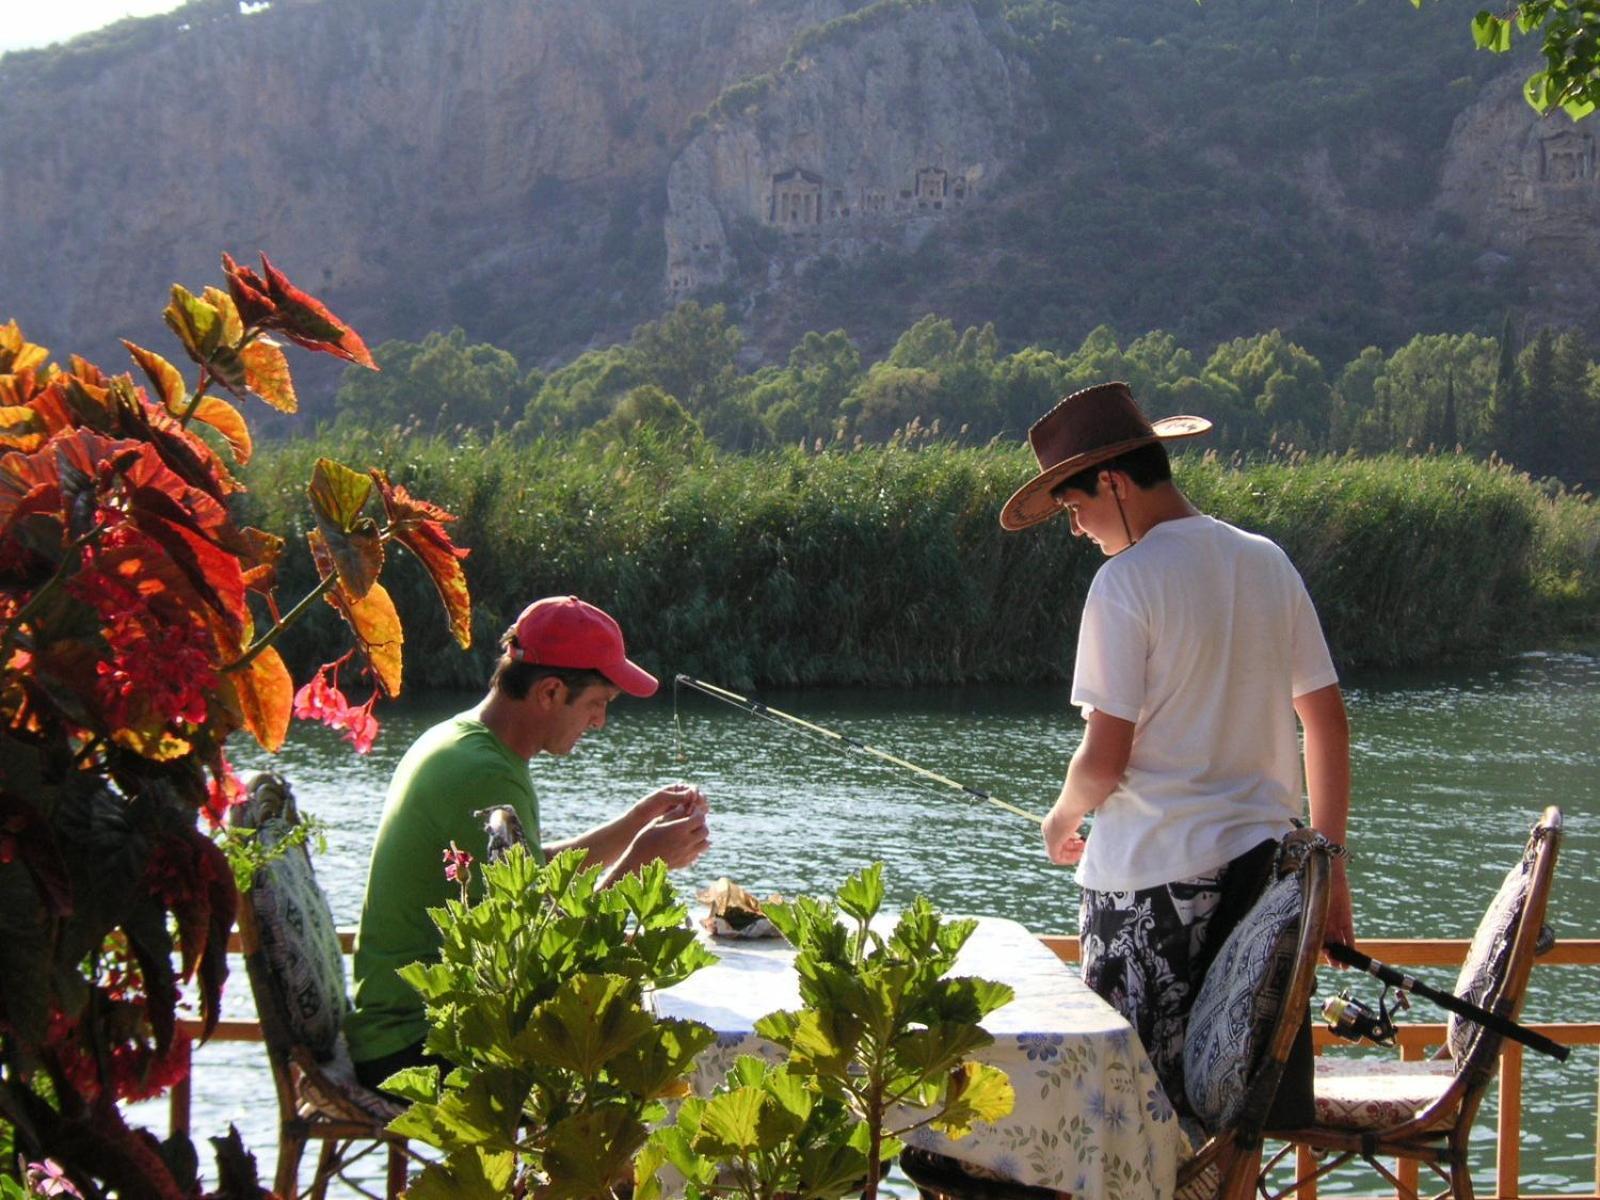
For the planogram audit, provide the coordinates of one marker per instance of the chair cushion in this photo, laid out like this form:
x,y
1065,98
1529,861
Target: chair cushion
x,y
299,944
1486,960
1233,1016
330,1089
1374,1093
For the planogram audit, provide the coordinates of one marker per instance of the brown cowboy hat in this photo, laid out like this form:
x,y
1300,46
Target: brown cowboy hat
x,y
1086,428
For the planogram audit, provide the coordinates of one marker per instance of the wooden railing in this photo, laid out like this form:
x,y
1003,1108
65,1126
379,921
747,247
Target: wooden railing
x,y
1413,1040
1416,1039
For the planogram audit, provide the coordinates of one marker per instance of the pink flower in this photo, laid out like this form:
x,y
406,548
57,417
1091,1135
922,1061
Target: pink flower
x,y
46,1178
457,865
321,700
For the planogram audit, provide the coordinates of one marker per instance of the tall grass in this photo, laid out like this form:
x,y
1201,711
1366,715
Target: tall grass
x,y
885,566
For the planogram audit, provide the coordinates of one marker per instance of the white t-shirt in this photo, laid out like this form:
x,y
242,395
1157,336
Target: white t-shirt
x,y
1202,635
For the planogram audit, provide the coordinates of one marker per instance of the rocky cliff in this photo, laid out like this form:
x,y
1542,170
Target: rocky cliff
x,y
549,173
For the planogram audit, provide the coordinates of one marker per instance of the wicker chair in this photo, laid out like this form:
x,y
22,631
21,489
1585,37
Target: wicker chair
x,y
296,969
1247,1017
1423,1111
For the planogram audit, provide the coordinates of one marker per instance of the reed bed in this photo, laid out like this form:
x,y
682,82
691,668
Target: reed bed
x,y
884,566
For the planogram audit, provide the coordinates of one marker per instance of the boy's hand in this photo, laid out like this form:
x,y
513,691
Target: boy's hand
x,y
1062,840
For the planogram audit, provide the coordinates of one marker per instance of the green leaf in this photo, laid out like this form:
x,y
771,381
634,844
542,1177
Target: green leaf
x,y
731,1126
832,1169
416,1084
1491,32
468,1175
977,1093
482,1115
350,540
588,1153
197,324
339,494
590,1020
925,1053
961,998
655,1067
862,894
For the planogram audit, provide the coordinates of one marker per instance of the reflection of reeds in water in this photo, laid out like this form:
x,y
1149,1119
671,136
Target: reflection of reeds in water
x,y
886,566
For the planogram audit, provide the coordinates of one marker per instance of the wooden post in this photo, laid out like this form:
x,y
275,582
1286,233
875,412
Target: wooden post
x,y
1508,1153
1406,1168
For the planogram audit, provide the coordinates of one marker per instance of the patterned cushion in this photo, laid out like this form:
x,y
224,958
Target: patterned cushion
x,y
331,1089
1486,960
1376,1093
299,943
1238,1004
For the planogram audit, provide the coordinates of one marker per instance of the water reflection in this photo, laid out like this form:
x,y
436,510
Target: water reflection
x,y
1450,770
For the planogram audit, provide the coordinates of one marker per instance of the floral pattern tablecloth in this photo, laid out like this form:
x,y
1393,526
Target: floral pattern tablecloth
x,y
1090,1117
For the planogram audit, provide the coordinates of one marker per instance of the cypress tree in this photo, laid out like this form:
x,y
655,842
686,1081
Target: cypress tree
x,y
1502,423
1448,435
1539,435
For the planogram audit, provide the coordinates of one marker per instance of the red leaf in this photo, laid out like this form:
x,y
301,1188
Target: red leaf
x,y
419,527
306,320
249,292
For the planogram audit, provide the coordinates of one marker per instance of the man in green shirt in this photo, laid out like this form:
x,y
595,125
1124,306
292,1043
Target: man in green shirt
x,y
561,664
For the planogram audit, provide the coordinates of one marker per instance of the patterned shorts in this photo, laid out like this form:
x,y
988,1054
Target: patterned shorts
x,y
1146,952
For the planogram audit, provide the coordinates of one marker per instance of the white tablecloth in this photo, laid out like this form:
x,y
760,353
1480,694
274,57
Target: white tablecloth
x,y
1090,1117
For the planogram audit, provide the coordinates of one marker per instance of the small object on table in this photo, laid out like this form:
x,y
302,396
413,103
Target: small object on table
x,y
732,912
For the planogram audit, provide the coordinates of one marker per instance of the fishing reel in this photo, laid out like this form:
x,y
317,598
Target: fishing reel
x,y
1355,1020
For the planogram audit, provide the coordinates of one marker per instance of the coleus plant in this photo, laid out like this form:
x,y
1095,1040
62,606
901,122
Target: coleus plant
x,y
539,1001
137,628
881,1046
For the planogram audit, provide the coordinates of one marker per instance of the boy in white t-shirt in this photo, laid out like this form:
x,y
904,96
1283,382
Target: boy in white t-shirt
x,y
1198,650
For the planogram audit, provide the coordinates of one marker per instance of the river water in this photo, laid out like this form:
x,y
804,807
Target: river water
x,y
1450,770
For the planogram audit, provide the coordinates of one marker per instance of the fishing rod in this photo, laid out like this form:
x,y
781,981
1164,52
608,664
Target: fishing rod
x,y
840,741
1403,983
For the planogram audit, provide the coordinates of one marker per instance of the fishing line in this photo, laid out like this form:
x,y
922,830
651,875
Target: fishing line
x,y
838,741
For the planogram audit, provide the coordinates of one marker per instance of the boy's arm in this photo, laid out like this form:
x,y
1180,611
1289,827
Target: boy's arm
x,y
1097,765
1327,741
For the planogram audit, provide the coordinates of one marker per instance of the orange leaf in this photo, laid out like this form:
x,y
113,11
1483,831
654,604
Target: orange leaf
x,y
260,556
419,527
21,428
266,373
372,617
226,420
266,696
168,382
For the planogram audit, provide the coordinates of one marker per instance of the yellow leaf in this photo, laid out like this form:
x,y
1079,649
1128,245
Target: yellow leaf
x,y
162,374
232,326
376,624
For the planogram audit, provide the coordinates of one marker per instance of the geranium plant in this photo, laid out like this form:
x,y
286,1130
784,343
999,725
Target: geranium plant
x,y
137,628
882,1045
540,1003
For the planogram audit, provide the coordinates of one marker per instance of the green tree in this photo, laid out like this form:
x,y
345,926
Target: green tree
x,y
1355,406
1427,374
1568,28
583,392
1286,397
1502,427
1538,445
439,382
690,353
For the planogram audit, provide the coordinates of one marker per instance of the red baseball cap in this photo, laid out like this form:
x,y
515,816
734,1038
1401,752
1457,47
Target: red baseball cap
x,y
563,631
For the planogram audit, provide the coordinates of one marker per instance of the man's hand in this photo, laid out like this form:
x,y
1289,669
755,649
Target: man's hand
x,y
1062,841
679,840
673,801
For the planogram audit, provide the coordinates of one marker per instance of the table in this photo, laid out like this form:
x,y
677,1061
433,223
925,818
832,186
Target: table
x,y
1090,1116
